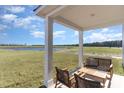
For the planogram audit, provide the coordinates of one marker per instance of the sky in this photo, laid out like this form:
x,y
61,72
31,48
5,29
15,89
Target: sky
x,y
20,25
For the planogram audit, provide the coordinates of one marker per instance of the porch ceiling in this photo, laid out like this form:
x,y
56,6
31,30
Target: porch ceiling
x,y
84,17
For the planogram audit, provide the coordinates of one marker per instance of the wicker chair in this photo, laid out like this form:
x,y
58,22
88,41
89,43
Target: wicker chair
x,y
103,64
62,76
106,65
81,82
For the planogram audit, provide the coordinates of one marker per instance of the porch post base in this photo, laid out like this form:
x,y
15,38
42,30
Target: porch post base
x,y
49,83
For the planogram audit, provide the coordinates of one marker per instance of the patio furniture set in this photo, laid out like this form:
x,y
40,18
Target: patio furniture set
x,y
96,73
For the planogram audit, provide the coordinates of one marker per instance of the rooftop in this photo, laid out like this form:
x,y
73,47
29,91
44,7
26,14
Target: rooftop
x,y
83,17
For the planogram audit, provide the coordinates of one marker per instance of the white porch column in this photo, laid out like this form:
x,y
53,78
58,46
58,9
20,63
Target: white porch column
x,y
48,81
80,48
123,45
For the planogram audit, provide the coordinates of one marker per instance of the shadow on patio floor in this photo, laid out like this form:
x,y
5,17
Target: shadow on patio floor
x,y
42,86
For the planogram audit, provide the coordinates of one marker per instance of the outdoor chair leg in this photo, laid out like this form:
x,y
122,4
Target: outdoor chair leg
x,y
56,84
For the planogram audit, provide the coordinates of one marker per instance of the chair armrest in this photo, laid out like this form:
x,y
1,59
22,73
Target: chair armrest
x,y
71,78
111,66
65,69
111,70
72,81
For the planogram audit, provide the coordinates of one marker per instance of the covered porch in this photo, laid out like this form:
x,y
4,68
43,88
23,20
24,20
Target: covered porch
x,y
79,18
115,83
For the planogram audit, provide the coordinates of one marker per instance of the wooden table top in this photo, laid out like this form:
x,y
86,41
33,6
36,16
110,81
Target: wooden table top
x,y
93,72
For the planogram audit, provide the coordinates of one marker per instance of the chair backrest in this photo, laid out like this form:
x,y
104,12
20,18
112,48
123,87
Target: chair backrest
x,y
92,62
104,64
85,83
62,76
101,63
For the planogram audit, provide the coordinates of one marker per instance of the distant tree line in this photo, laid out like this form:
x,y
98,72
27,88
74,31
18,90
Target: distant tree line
x,y
18,45
12,44
117,43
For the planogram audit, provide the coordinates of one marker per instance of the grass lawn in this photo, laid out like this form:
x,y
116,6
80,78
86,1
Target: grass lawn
x,y
99,50
25,68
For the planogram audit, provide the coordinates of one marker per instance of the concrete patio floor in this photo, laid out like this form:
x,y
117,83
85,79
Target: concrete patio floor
x,y
117,82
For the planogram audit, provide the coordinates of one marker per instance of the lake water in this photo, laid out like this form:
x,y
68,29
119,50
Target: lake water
x,y
32,48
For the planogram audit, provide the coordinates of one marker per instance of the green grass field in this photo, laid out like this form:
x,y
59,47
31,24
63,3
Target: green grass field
x,y
25,68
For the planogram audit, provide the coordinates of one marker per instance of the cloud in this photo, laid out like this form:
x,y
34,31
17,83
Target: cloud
x,y
56,34
2,35
104,29
2,27
26,21
97,37
59,34
29,22
23,22
9,17
2,31
37,34
100,37
76,33
15,9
